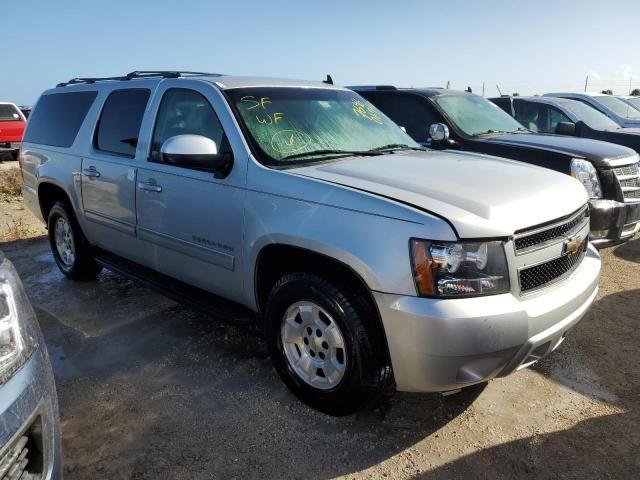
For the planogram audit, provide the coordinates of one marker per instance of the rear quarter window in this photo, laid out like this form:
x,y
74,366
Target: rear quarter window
x,y
9,113
119,125
57,117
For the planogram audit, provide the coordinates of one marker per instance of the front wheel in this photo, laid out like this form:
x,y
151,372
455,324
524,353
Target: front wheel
x,y
70,248
322,344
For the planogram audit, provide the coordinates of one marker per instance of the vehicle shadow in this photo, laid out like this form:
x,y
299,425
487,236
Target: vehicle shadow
x,y
150,388
556,455
629,251
599,357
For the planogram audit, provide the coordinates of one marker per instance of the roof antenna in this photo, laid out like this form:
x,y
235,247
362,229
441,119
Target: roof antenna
x,y
329,80
498,88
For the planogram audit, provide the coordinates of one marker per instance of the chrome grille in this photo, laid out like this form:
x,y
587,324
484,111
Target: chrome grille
x,y
552,233
540,275
629,178
14,464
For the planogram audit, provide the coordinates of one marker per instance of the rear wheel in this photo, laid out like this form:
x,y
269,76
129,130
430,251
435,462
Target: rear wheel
x,y
322,345
70,248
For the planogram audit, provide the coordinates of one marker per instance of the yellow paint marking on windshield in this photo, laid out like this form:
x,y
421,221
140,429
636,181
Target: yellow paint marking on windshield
x,y
366,110
268,119
289,141
255,103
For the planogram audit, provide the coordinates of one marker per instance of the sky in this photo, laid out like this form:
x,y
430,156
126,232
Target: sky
x,y
526,47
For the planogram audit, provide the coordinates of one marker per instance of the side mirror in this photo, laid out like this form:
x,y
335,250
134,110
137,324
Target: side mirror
x,y
439,132
197,152
566,128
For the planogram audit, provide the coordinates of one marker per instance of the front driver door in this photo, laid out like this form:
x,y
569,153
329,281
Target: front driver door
x,y
189,221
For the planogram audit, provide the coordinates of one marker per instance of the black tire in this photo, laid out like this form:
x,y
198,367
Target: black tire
x,y
367,372
14,155
83,266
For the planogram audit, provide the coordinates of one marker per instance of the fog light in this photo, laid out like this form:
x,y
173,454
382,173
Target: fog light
x,y
597,234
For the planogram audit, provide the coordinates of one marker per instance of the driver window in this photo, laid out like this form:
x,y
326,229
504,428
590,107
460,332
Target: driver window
x,y
555,117
533,116
184,111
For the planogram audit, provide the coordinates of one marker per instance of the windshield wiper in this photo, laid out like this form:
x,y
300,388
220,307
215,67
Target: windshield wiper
x,y
355,153
489,132
396,146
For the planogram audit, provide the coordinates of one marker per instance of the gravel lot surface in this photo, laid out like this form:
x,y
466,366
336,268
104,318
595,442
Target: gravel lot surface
x,y
152,389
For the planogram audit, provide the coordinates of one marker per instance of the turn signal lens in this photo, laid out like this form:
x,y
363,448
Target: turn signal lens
x,y
421,268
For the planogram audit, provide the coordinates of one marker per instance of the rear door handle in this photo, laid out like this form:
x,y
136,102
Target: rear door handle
x,y
91,172
150,186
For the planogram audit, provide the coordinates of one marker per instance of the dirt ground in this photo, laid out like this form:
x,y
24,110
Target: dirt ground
x,y
152,389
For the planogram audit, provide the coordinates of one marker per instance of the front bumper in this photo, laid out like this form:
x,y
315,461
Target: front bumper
x,y
613,222
440,345
29,423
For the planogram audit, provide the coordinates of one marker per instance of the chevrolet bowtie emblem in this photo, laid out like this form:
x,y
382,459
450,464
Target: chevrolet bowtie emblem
x,y
572,245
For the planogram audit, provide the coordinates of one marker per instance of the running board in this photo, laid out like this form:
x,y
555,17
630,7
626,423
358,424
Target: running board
x,y
179,291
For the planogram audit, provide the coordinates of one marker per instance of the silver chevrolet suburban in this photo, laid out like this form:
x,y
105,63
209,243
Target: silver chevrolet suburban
x,y
372,262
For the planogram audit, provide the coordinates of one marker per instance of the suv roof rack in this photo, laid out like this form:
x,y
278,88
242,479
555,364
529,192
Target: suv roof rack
x,y
138,74
372,87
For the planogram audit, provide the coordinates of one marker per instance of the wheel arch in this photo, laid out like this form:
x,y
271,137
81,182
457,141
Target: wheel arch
x,y
277,259
48,194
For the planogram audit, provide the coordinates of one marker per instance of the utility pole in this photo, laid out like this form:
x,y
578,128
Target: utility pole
x,y
586,83
448,83
483,89
630,88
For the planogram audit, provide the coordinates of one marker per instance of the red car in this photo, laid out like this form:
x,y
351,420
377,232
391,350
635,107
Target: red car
x,y
12,122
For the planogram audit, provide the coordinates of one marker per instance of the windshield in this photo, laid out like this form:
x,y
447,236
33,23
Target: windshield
x,y
9,113
618,106
475,115
589,115
635,101
290,124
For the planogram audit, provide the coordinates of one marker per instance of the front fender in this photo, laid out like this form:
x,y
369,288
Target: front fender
x,y
374,247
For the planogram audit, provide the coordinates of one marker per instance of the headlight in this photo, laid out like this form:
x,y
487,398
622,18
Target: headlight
x,y
449,269
588,176
19,330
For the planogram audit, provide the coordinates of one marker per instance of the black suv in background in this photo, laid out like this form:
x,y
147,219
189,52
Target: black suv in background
x,y
565,116
441,118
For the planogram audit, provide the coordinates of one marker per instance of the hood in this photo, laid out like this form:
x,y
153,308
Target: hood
x,y
629,131
629,137
594,150
480,196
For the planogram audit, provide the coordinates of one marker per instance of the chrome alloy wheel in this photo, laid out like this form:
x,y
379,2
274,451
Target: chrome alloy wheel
x,y
64,242
314,345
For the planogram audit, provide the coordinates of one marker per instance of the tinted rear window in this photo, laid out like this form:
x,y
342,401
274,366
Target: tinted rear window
x,y
57,118
9,113
119,125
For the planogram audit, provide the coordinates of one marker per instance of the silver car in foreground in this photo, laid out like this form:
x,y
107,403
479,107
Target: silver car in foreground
x,y
29,424
373,262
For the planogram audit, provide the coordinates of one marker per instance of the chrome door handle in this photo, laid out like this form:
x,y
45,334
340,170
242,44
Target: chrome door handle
x,y
91,172
150,186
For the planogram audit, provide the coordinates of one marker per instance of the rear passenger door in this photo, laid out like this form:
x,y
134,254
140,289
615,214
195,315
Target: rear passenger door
x,y
109,173
190,222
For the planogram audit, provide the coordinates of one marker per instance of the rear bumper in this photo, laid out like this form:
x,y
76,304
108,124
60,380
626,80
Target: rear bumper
x,y
613,222
9,146
441,345
29,418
